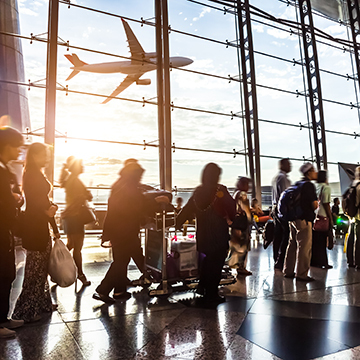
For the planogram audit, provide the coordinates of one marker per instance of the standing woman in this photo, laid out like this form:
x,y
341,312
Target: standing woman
x,y
213,207
321,238
40,211
76,196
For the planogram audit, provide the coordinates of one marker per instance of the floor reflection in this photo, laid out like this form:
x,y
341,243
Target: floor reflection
x,y
246,326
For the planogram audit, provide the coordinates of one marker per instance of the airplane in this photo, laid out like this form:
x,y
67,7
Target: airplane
x,y
133,68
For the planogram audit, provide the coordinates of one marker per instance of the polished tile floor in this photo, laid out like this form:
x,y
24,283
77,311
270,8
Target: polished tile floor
x,y
264,317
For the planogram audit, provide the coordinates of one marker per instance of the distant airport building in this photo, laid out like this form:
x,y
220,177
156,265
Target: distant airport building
x,y
14,108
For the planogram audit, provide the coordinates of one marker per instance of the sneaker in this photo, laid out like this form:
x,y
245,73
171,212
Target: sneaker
x,y
6,333
244,272
12,324
142,281
122,296
105,298
306,279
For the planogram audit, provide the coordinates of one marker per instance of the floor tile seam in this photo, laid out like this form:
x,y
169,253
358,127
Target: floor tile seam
x,y
306,318
303,291
77,344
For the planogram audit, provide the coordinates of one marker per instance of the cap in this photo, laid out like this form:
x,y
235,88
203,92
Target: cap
x,y
306,167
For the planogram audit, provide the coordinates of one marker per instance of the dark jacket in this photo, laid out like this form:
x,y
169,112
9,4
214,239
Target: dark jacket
x,y
36,223
212,229
7,210
127,207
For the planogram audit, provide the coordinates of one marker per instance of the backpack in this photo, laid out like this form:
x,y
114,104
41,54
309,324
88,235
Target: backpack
x,y
349,201
289,205
268,234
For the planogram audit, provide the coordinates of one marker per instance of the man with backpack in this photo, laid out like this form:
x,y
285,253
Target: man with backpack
x,y
281,229
299,249
351,205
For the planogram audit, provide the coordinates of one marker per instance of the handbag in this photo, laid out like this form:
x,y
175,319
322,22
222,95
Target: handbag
x,y
86,214
62,268
321,223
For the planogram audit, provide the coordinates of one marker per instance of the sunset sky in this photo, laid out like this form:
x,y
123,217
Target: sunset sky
x,y
84,116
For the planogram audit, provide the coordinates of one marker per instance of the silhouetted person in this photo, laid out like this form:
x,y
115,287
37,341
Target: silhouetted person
x,y
212,205
10,142
321,238
39,213
126,207
298,252
281,232
76,196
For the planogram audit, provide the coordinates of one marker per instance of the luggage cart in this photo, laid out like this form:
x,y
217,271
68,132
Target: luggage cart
x,y
157,257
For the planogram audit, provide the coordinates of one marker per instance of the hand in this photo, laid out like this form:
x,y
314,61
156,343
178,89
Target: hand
x,y
162,199
57,236
18,198
51,211
229,222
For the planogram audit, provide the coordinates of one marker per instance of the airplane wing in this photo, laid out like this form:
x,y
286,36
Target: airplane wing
x,y
137,52
125,84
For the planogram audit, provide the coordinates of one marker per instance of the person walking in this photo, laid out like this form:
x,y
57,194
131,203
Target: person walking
x,y
213,207
76,197
126,207
322,239
240,239
40,211
281,227
298,251
353,244
10,142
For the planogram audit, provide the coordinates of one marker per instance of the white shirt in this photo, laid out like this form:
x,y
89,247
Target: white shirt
x,y
280,183
325,197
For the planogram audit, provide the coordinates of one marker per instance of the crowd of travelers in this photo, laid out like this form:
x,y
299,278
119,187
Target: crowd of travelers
x,y
301,218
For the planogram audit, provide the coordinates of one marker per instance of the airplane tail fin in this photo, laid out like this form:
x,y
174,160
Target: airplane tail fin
x,y
75,72
74,59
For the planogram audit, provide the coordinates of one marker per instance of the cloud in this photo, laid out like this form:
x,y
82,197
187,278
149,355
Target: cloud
x,y
202,14
27,11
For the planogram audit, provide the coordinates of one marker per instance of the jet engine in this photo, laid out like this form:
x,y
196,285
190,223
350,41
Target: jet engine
x,y
143,82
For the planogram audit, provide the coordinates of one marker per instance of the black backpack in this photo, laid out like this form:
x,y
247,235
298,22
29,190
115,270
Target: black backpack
x,y
289,205
349,201
268,234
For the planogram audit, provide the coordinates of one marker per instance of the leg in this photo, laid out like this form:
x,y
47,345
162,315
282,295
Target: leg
x,y
7,276
290,255
138,256
304,239
78,242
350,246
285,233
115,277
215,263
278,235
357,243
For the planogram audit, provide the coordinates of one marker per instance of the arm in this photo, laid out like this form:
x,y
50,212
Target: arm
x,y
187,213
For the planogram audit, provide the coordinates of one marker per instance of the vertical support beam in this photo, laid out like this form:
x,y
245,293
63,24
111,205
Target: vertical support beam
x,y
250,98
354,20
160,91
314,84
167,98
50,99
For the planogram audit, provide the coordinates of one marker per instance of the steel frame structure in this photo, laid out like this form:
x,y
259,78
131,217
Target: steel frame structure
x,y
314,84
250,98
354,22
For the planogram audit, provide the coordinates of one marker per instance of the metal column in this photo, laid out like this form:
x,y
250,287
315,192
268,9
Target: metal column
x,y
354,20
160,92
167,98
250,98
314,85
50,100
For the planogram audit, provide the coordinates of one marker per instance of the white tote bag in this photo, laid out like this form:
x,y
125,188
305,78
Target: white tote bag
x,y
62,268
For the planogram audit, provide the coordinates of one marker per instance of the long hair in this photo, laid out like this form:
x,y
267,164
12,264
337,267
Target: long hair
x,y
33,150
205,194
